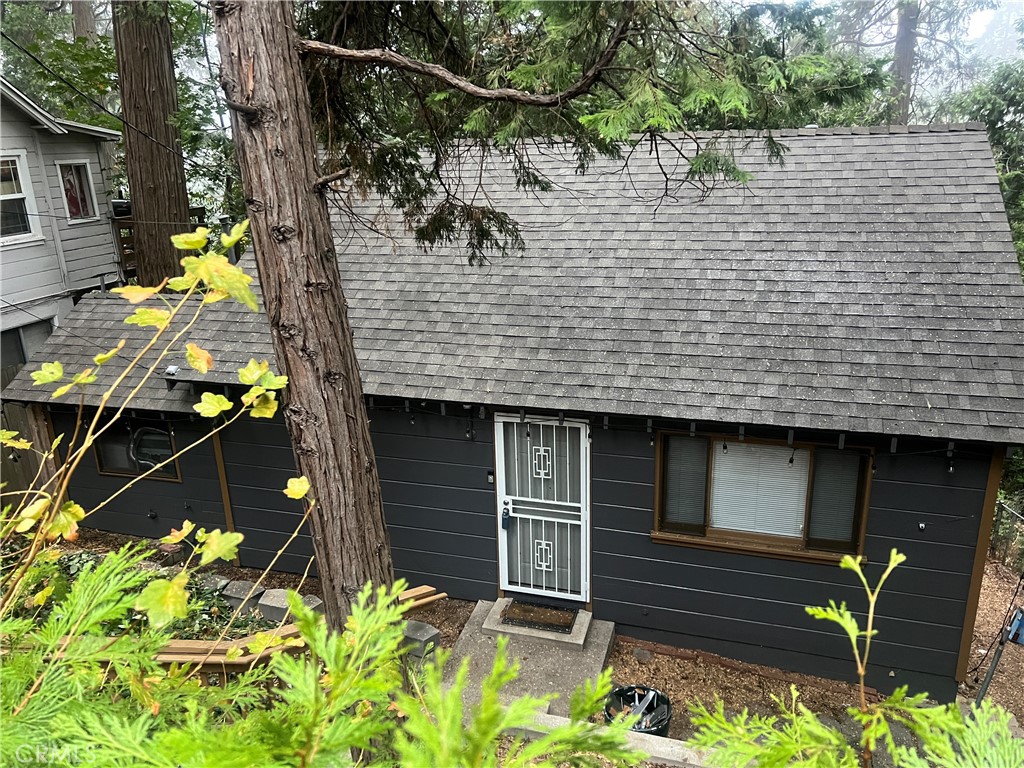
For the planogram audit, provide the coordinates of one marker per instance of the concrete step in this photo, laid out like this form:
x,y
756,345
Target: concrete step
x,y
544,667
575,639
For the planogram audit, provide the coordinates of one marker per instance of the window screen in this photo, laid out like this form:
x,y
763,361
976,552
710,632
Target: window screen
x,y
834,498
756,489
684,471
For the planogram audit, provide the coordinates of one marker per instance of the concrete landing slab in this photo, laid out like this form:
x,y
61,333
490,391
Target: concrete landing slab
x,y
575,639
543,667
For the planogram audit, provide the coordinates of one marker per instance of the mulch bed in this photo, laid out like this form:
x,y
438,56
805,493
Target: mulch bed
x,y
686,675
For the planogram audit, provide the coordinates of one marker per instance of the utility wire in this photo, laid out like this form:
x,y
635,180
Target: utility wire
x,y
93,101
68,331
115,219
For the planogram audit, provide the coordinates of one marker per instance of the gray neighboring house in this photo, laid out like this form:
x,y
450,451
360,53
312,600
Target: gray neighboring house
x,y
680,413
56,238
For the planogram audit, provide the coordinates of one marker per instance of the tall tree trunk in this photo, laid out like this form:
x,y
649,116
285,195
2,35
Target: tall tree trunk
x,y
83,20
153,160
904,56
302,292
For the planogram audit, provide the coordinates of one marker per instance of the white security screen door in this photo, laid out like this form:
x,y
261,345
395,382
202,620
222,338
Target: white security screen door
x,y
543,480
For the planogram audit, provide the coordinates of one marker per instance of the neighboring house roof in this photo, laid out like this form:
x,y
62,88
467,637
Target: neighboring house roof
x,y
868,284
51,123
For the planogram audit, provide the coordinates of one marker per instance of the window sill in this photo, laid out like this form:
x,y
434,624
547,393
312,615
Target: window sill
x,y
75,222
21,241
746,547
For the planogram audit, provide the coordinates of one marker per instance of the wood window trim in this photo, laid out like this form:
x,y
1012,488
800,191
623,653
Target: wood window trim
x,y
69,220
138,475
781,547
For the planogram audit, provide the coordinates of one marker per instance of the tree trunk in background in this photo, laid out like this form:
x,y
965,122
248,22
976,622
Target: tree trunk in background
x,y
302,293
904,55
83,20
156,170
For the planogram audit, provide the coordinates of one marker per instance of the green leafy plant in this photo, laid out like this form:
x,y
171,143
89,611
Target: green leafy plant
x,y
796,736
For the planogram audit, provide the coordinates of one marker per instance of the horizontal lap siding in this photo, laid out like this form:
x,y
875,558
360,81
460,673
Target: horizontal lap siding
x,y
258,462
753,607
151,508
30,271
439,505
89,249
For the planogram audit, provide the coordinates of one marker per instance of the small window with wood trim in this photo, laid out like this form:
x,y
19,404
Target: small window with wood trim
x,y
760,496
135,451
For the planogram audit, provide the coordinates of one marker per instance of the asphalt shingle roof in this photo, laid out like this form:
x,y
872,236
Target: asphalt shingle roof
x,y
868,284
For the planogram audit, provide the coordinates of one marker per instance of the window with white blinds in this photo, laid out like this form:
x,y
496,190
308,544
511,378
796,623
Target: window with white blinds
x,y
834,498
686,469
711,487
755,488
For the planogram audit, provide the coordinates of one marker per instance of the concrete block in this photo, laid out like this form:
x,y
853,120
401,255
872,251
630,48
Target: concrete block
x,y
212,582
421,639
314,602
274,604
235,593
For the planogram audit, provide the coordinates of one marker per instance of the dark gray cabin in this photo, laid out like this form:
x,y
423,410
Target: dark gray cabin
x,y
680,412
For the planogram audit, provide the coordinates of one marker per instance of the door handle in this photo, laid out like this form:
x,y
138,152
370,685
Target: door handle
x,y
505,518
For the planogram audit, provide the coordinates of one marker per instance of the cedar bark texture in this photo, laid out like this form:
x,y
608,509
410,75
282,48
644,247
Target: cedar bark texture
x,y
302,292
156,170
904,59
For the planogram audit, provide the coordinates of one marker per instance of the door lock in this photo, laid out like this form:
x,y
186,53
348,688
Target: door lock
x,y
505,518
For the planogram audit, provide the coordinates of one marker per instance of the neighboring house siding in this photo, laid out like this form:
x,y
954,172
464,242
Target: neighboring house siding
x,y
31,270
151,507
88,245
752,607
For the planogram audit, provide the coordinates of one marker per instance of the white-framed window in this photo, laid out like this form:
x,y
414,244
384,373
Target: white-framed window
x,y
18,219
78,191
761,494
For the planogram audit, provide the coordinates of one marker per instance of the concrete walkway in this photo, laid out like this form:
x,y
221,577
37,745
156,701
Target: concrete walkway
x,y
544,666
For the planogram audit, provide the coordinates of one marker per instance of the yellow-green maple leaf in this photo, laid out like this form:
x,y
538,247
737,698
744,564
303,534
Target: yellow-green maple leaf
x,y
65,522
164,600
217,545
237,233
265,406
198,358
138,293
297,488
47,374
149,316
218,273
253,371
10,439
175,535
210,405
105,357
191,241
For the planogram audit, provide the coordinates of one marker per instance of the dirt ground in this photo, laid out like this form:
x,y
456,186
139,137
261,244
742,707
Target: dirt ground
x,y
1007,688
687,675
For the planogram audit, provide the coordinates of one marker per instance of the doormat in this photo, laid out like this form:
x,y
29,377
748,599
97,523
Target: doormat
x,y
520,613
